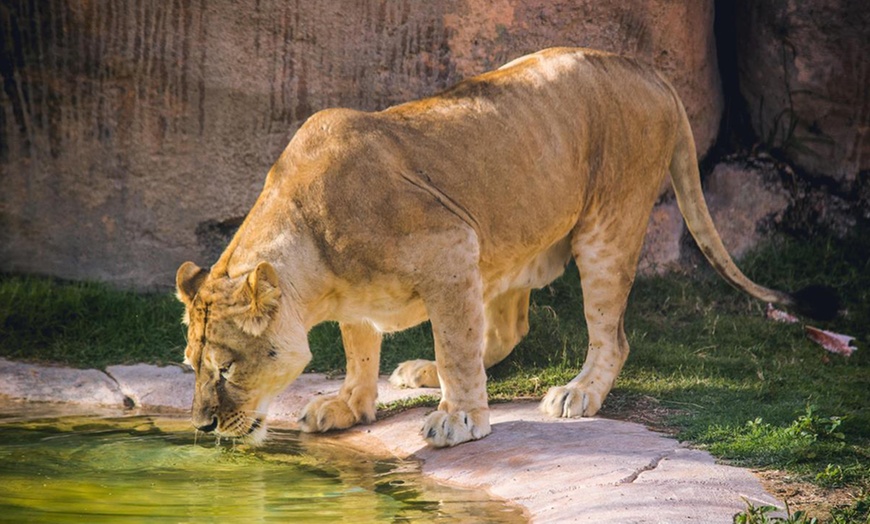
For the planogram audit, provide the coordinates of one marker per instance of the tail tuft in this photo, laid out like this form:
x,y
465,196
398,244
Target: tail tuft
x,y
817,302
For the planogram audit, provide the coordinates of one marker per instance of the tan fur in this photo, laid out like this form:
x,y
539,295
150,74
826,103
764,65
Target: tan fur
x,y
451,208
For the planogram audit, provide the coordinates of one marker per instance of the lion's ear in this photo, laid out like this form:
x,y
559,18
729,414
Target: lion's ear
x,y
260,295
188,280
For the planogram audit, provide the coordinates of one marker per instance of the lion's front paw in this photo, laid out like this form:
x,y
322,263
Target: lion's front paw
x,y
571,402
443,429
326,413
415,374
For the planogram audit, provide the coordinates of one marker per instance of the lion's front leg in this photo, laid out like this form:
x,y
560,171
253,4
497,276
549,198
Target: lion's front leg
x,y
355,402
457,316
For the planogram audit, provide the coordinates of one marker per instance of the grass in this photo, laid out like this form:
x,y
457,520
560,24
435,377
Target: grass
x,y
86,324
705,364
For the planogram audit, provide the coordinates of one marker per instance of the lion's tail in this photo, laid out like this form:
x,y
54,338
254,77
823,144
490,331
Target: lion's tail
x,y
817,302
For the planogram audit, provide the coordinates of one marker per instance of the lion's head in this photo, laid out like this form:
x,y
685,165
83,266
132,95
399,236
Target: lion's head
x,y
233,346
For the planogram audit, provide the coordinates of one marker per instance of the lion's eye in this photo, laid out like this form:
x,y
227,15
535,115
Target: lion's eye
x,y
225,370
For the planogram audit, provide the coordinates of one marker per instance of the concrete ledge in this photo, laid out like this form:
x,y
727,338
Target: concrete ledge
x,y
163,387
58,384
155,387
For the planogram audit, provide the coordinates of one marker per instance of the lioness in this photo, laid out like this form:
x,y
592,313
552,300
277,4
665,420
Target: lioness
x,y
451,208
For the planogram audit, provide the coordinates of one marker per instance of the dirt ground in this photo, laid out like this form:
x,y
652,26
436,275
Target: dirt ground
x,y
803,496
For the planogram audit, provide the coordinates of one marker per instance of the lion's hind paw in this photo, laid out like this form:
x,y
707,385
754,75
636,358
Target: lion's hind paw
x,y
443,429
415,374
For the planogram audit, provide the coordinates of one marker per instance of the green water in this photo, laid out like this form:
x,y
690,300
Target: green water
x,y
153,469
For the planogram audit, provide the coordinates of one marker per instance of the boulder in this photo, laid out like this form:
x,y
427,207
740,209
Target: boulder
x,y
662,245
135,135
676,37
746,202
804,68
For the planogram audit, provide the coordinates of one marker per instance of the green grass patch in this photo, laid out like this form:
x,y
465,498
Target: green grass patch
x,y
753,392
87,324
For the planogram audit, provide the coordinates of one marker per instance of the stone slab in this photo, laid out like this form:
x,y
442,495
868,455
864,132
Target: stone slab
x,y
578,470
58,384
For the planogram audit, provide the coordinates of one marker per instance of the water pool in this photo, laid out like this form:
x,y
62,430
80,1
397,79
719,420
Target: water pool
x,y
87,468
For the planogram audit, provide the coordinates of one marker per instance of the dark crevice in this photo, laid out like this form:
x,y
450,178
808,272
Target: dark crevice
x,y
653,464
128,401
735,129
213,236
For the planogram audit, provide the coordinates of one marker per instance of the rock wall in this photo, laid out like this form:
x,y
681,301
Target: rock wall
x,y
805,72
136,134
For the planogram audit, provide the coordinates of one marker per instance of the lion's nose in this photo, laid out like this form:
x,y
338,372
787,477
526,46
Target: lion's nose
x,y
209,427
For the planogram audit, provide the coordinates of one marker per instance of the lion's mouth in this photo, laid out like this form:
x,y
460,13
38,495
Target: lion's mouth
x,y
254,432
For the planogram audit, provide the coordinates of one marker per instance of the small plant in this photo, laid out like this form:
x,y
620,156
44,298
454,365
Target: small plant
x,y
831,477
762,515
815,427
858,512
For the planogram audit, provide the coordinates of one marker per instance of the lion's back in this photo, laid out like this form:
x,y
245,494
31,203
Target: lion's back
x,y
521,148
517,154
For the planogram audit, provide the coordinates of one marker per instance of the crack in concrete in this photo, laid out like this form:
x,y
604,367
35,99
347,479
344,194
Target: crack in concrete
x,y
649,467
129,401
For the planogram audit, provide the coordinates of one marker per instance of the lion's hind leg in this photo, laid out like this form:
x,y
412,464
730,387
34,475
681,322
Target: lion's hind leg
x,y
507,322
607,272
418,373
356,401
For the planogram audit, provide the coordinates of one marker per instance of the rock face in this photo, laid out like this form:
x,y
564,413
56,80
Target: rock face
x,y
136,134
804,71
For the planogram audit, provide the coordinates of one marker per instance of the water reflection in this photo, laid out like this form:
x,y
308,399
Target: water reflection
x,y
147,469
